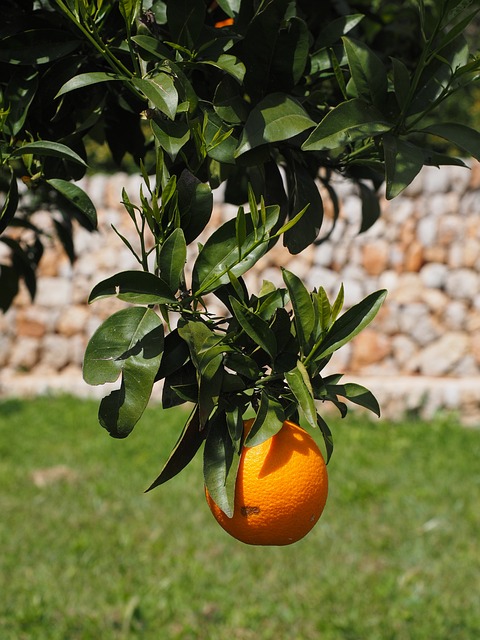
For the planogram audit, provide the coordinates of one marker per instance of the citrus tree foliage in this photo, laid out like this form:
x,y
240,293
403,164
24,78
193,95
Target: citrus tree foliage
x,y
269,98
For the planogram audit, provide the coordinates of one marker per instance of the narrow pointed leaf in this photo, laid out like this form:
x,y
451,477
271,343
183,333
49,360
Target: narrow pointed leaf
x,y
186,447
304,316
350,324
299,384
136,287
268,421
348,122
77,197
255,327
173,256
47,148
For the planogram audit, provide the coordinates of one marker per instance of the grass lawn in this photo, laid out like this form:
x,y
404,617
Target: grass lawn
x,y
85,554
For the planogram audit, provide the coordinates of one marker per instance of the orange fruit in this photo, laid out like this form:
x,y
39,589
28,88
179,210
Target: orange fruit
x,y
224,23
281,489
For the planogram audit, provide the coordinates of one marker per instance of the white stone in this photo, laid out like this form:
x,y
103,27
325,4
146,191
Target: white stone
x,y
440,357
434,275
53,292
462,284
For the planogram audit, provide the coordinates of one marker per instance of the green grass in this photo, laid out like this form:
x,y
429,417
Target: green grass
x,y
90,556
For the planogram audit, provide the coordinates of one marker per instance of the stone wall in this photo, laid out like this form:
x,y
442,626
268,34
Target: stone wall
x,y
421,354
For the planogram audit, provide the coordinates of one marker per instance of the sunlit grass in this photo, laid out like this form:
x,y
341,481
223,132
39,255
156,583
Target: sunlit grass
x,y
86,554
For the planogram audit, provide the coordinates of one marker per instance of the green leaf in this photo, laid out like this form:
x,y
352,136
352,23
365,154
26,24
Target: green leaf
x,y
299,384
302,304
77,197
368,73
327,436
47,148
220,465
276,118
37,46
184,451
9,280
228,102
206,351
403,161
220,254
349,325
230,64
160,91
358,394
87,79
268,421
349,122
291,54
255,327
173,255
10,205
401,82
185,21
335,29
172,136
195,201
121,334
231,7
304,193
129,342
371,209
18,96
136,287
458,134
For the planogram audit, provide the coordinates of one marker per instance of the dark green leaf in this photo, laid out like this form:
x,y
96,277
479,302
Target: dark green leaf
x,y
124,334
302,304
8,286
87,79
358,394
10,205
220,254
268,421
136,287
186,447
327,436
77,197
46,148
371,209
220,465
160,91
18,96
337,28
350,324
304,193
129,342
458,134
276,118
255,327
348,122
230,64
401,82
368,73
228,102
300,385
173,255
403,161
172,136
37,46
195,201
185,21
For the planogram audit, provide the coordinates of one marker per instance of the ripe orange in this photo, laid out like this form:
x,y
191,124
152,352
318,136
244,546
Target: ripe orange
x,y
281,489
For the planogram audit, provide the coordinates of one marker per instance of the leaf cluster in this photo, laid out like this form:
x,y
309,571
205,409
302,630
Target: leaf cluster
x,y
279,95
